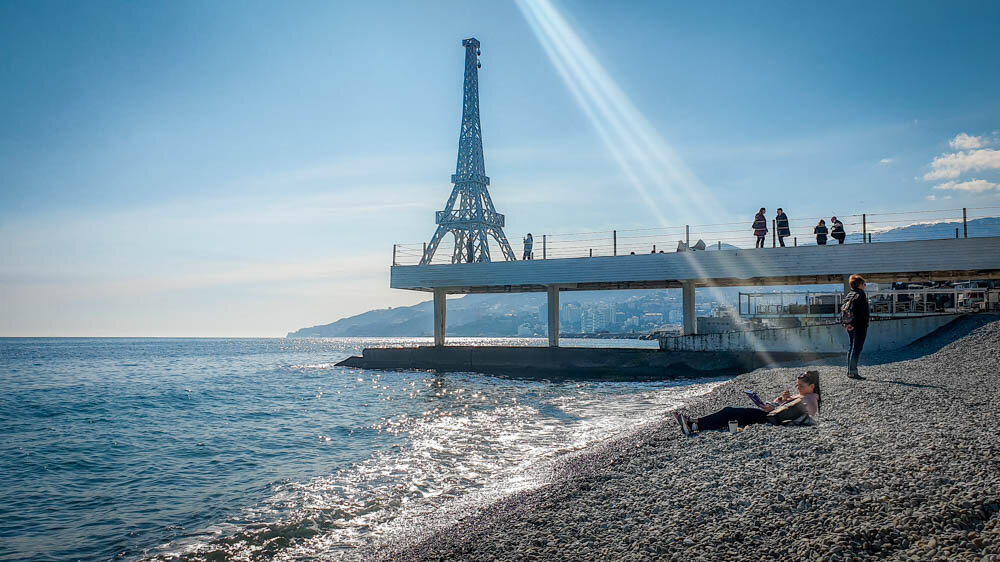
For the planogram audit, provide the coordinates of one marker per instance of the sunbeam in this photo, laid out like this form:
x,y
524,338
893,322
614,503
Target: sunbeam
x,y
666,185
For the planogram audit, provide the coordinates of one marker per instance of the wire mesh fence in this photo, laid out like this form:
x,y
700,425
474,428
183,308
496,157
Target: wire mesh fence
x,y
863,228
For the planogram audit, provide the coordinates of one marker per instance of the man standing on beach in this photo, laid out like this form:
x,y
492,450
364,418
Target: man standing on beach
x,y
855,315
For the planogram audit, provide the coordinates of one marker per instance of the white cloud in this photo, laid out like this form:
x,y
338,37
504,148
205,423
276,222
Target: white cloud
x,y
931,197
950,166
965,142
886,161
974,186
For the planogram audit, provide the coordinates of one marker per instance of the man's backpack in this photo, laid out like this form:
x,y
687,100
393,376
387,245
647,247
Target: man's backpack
x,y
847,308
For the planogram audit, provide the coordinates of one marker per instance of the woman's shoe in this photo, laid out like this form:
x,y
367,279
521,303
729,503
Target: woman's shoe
x,y
682,421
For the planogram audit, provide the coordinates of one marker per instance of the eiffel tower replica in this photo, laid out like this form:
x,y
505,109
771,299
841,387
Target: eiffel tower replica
x,y
469,214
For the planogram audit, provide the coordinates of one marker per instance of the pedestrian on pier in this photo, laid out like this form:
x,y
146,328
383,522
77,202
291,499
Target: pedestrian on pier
x,y
781,225
855,316
820,231
837,230
528,242
760,227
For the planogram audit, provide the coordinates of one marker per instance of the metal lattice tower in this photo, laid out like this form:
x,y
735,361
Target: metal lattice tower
x,y
469,214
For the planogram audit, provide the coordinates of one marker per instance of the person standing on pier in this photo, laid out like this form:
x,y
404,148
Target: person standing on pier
x,y
820,231
837,230
528,243
781,225
760,227
855,316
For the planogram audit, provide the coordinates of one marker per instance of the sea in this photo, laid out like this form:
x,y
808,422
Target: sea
x,y
260,449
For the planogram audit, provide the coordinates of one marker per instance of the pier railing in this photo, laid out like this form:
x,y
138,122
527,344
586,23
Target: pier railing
x,y
861,228
887,303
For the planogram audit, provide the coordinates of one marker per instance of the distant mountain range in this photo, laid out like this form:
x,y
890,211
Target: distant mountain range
x,y
499,315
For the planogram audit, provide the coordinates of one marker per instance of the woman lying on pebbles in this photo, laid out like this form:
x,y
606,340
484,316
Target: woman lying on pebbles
x,y
807,385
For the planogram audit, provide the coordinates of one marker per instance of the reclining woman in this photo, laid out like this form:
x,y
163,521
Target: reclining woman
x,y
807,385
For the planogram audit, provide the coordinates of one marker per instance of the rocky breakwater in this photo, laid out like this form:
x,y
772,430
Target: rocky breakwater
x,y
904,466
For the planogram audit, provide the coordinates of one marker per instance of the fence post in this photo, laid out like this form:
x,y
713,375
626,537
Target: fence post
x,y
869,237
687,235
591,252
795,241
720,244
393,254
774,233
965,224
956,233
864,228
424,255
614,242
543,246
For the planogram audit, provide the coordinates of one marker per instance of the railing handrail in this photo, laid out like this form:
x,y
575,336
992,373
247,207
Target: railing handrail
x,y
619,242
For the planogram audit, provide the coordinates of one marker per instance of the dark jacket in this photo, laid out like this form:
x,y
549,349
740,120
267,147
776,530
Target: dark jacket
x,y
820,232
862,314
781,224
759,225
837,231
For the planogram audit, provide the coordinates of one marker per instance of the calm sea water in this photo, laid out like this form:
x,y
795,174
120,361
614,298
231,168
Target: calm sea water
x,y
262,448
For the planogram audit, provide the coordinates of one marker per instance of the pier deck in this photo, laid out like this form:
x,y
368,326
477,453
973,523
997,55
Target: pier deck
x,y
923,260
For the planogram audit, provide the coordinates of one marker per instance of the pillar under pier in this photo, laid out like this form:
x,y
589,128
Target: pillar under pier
x,y
553,306
687,301
440,309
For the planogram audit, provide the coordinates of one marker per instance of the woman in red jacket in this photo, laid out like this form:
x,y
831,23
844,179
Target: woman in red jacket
x,y
760,227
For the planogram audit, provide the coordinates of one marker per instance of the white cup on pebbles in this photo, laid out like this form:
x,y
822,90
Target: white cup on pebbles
x,y
733,426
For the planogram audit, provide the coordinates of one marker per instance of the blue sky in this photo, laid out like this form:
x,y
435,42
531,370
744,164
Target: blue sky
x,y
243,168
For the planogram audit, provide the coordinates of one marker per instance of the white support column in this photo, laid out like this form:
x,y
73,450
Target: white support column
x,y
687,299
553,306
440,309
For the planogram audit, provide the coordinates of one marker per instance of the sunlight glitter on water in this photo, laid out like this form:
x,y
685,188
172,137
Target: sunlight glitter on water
x,y
264,448
459,455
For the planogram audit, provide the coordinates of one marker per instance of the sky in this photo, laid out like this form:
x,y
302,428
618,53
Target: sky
x,y
244,168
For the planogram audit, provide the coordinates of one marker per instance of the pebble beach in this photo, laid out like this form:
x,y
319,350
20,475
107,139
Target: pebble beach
x,y
903,466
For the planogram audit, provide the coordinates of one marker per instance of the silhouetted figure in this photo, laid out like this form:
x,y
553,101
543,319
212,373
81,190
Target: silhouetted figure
x,y
820,231
837,231
528,243
760,227
781,226
855,316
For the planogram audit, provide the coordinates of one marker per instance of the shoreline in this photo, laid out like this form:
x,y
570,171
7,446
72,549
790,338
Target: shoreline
x,y
903,465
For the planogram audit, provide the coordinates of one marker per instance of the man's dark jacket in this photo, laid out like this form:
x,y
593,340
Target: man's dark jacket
x,y
862,314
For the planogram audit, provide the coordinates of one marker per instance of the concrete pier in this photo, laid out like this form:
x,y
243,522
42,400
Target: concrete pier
x,y
690,325
553,314
885,262
440,312
883,335
571,362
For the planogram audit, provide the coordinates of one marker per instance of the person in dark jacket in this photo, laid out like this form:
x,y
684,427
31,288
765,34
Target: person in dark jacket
x,y
837,231
781,226
857,326
760,227
528,243
820,231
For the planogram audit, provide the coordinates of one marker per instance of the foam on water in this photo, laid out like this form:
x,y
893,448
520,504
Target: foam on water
x,y
252,449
